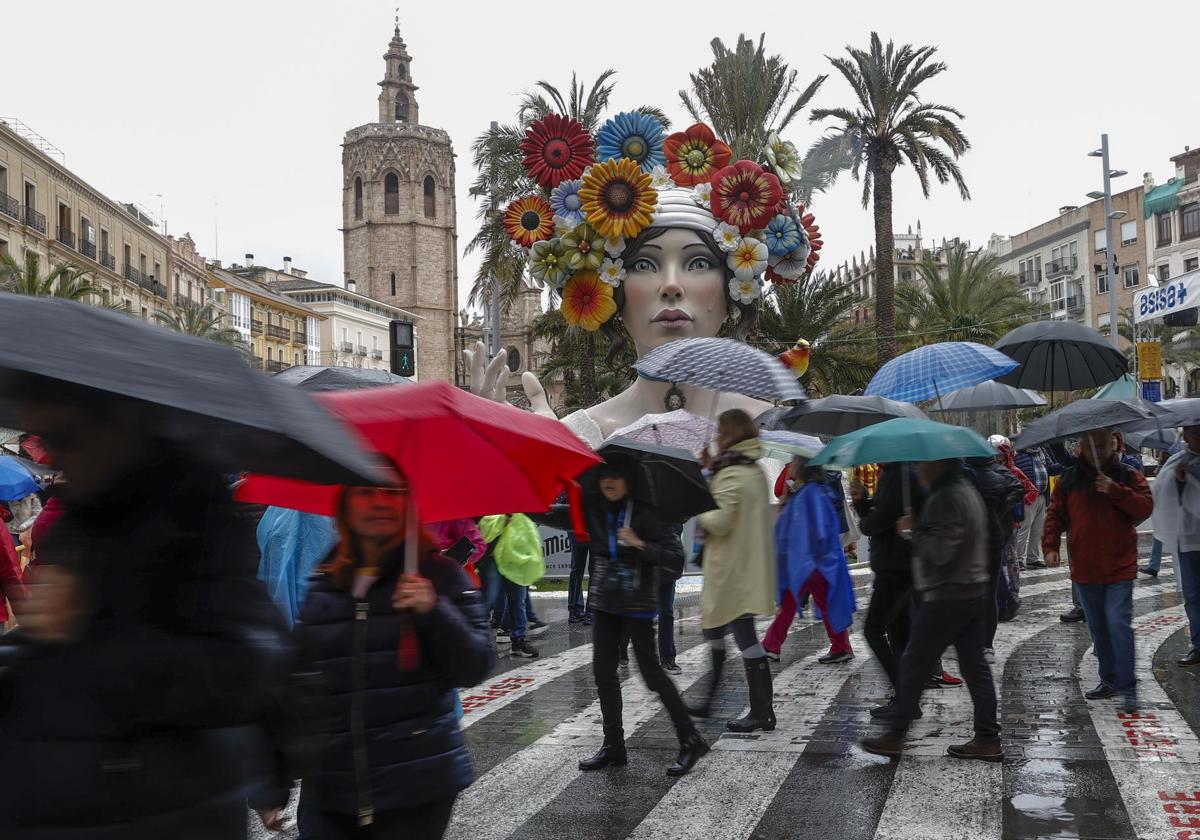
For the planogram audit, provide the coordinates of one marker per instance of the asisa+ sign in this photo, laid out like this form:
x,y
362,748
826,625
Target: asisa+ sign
x,y
1175,295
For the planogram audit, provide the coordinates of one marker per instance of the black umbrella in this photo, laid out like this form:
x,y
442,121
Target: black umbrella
x,y
209,399
841,414
317,378
772,420
1060,356
666,478
990,396
1083,416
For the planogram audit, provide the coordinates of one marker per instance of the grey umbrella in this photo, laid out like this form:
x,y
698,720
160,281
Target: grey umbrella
x,y
1181,412
317,378
990,396
1060,356
1153,434
840,414
721,364
1083,416
206,397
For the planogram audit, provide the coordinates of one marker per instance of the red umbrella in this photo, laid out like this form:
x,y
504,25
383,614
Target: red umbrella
x,y
463,456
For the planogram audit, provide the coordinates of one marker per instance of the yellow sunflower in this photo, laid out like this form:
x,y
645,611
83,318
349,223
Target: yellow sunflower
x,y
529,220
587,301
618,198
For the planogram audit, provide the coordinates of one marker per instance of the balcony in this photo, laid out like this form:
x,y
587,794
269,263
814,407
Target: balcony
x,y
133,275
377,355
66,237
1061,267
108,261
361,350
154,287
256,328
279,333
184,301
35,220
274,366
88,249
9,206
1027,278
346,347
300,338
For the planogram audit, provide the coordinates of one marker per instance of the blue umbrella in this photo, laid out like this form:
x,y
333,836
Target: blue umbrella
x,y
903,439
935,369
15,481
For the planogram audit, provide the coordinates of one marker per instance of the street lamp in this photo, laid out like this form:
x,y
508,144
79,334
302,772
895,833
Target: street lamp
x,y
1109,215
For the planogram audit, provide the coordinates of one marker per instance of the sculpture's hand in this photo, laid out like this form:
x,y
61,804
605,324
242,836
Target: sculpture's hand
x,y
539,403
486,379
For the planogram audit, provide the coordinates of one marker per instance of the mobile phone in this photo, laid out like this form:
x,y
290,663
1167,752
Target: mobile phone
x,y
461,551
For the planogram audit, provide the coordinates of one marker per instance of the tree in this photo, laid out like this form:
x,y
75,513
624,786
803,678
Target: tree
x,y
1180,347
971,299
891,126
201,320
64,280
815,309
746,95
570,346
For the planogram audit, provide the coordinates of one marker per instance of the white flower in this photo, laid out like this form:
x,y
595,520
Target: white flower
x,y
749,260
660,179
792,266
702,194
745,290
563,225
728,237
612,272
614,246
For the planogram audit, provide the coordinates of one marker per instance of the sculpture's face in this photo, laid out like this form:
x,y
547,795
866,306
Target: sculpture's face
x,y
674,288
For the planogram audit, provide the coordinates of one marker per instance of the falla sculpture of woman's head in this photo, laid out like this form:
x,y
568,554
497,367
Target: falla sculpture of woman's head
x,y
663,232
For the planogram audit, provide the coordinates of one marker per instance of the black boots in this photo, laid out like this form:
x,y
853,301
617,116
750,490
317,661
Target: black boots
x,y
718,667
762,713
612,752
692,747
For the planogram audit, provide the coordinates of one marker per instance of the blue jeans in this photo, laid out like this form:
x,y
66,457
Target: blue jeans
x,y
1187,565
580,563
1156,553
666,621
1109,611
513,617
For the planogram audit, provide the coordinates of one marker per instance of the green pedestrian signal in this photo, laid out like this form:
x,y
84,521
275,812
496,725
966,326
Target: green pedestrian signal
x,y
405,362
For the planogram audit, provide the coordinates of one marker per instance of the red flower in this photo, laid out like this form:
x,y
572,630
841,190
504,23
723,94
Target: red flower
x,y
529,220
745,195
815,242
557,149
693,155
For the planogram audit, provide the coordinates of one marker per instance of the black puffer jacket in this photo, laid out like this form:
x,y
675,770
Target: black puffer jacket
x,y
1001,492
630,584
149,725
877,517
393,738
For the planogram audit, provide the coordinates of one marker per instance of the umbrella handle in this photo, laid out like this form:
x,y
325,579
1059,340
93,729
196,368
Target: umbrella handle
x,y
412,529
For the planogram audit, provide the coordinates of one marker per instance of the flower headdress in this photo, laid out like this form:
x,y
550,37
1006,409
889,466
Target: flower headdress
x,y
599,193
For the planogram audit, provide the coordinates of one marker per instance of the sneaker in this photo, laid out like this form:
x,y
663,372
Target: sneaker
x,y
989,656
524,650
502,638
586,619
536,628
1101,692
1073,616
978,750
574,618
773,655
1022,566
1146,570
1189,661
832,658
671,668
943,680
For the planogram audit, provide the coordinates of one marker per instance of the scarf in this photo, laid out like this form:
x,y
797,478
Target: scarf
x,y
729,458
1010,461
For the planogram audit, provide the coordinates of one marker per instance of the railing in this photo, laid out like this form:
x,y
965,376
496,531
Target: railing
x,y
133,275
1059,267
1032,276
1075,303
35,220
362,350
281,333
9,206
88,249
377,354
347,347
256,328
274,366
66,237
299,337
184,300
108,261
154,287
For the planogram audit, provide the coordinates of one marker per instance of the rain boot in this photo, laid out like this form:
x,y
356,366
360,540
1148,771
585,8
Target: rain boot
x,y
762,712
611,753
718,667
692,747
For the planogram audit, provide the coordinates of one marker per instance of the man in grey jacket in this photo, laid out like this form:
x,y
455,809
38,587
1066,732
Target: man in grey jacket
x,y
950,584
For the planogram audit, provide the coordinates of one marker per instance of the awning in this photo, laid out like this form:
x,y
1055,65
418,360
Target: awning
x,y
1162,199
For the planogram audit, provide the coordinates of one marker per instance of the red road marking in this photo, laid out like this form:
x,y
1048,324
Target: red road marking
x,y
507,685
1172,806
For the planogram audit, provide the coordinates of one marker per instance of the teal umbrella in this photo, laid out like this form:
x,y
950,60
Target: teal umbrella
x,y
903,439
1124,388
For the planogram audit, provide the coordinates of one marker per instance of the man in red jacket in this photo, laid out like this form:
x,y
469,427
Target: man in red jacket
x,y
1099,502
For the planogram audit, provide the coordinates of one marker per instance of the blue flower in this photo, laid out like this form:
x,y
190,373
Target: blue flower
x,y
638,137
565,202
782,235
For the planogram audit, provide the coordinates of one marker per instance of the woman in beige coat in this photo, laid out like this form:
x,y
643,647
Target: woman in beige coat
x,y
739,565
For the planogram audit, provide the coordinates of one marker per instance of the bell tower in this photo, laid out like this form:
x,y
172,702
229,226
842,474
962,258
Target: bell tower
x,y
400,241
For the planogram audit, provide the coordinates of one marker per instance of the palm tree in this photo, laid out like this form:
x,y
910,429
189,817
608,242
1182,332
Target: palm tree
x,y
569,346
969,299
201,320
746,95
64,280
815,309
889,127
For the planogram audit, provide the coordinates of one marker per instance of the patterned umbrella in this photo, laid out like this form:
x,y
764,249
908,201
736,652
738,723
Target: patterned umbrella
x,y
721,364
783,445
936,369
679,429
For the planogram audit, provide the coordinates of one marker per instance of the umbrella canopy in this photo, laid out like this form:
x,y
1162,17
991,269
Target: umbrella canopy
x,y
1181,412
679,429
773,418
207,398
989,396
721,364
668,479
1060,356
317,378
903,439
783,445
1083,416
1124,388
938,369
16,482
1153,434
839,414
463,455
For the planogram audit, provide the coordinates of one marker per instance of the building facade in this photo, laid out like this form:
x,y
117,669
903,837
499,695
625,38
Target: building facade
x,y
1050,263
1129,247
189,273
1172,217
400,239
907,253
526,352
276,327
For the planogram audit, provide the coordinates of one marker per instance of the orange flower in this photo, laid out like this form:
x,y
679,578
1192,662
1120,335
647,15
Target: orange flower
x,y
529,220
618,198
587,301
694,155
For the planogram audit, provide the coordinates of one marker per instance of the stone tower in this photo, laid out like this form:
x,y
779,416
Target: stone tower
x,y
398,215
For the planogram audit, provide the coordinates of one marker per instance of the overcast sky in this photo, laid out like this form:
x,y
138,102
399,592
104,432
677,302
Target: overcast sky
x,y
236,110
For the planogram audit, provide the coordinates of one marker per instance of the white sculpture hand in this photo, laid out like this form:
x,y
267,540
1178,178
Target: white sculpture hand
x,y
490,380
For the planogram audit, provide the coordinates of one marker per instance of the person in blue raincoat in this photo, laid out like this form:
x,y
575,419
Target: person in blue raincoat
x,y
291,545
810,561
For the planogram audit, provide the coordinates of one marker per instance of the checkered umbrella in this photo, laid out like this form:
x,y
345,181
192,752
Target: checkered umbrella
x,y
721,364
680,429
937,369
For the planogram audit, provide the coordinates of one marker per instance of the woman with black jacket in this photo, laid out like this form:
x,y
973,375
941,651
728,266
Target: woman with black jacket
x,y
392,647
631,545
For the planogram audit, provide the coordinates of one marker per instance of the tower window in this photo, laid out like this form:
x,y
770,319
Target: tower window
x,y
401,108
400,68
358,198
393,284
430,198
391,194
